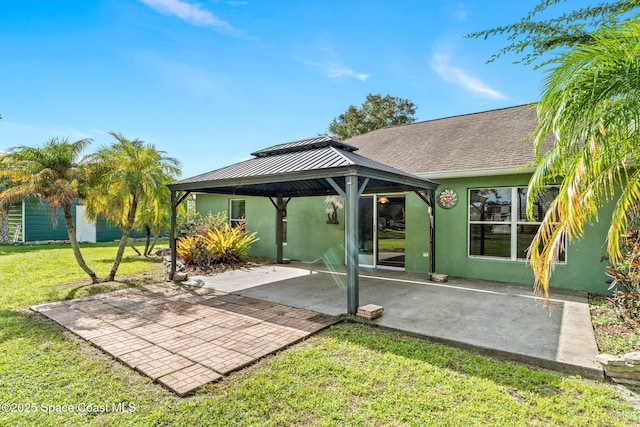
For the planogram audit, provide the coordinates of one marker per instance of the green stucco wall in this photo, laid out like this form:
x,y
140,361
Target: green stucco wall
x,y
417,235
583,269
309,237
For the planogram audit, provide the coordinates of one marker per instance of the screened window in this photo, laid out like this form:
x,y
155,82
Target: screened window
x,y
498,223
237,213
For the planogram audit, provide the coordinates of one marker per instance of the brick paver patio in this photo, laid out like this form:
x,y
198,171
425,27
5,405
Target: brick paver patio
x,y
184,338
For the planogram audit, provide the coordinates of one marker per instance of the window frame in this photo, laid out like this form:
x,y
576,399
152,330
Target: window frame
x,y
234,221
513,224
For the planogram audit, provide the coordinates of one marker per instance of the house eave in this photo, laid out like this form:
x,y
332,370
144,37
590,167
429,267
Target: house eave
x,y
468,173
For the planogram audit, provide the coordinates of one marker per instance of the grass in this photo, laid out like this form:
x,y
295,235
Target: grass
x,y
350,374
615,334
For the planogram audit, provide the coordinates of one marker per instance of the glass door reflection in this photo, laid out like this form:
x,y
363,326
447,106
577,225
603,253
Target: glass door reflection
x,y
390,231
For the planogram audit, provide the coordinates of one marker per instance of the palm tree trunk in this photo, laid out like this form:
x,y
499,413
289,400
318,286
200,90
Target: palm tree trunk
x,y
133,246
71,231
131,217
4,226
156,233
147,240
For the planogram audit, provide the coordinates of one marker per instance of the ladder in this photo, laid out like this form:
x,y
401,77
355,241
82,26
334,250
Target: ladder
x,y
16,234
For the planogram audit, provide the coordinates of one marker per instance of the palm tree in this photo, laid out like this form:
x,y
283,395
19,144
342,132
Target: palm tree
x,y
4,213
125,177
155,215
52,172
591,104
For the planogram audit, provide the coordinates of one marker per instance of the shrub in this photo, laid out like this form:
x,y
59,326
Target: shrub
x,y
229,244
625,277
221,244
195,224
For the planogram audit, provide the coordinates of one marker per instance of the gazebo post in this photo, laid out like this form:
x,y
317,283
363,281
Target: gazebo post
x,y
172,236
279,237
353,269
175,201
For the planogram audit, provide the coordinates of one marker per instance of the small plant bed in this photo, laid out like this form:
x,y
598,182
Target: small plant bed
x,y
248,262
615,332
211,244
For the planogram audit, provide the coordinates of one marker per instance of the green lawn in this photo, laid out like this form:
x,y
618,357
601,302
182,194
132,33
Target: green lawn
x,y
350,374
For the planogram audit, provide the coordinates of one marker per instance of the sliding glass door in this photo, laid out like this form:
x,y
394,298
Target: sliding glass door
x,y
390,231
381,230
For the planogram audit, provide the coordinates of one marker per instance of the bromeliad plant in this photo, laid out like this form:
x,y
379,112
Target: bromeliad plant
x,y
625,276
222,244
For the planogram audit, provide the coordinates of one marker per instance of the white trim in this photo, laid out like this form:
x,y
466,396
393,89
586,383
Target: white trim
x,y
513,225
231,220
469,173
515,210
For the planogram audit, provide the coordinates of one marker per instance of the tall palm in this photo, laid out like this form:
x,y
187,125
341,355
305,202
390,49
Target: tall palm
x,y
4,213
154,214
124,177
52,172
591,104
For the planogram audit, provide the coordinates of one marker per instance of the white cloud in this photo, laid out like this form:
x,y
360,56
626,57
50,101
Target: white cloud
x,y
441,64
335,70
191,13
460,12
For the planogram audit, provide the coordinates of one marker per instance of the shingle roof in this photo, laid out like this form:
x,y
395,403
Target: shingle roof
x,y
299,168
493,139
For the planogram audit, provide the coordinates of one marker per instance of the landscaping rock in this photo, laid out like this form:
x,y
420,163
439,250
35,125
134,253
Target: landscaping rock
x,y
180,276
632,359
370,311
439,277
625,369
610,360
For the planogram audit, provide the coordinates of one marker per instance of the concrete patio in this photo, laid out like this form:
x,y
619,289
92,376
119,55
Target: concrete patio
x,y
184,338
500,319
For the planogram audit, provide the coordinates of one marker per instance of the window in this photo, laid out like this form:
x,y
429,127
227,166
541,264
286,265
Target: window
x,y
498,224
236,213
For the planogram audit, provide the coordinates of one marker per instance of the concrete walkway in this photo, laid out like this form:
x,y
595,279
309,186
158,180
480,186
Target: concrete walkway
x,y
500,319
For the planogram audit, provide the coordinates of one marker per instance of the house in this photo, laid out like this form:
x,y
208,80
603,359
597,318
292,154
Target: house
x,y
30,222
474,169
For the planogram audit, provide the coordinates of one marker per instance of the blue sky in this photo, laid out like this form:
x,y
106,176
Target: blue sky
x,y
212,81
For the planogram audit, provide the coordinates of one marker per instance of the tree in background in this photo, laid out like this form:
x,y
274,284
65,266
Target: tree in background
x,y
52,172
532,37
126,178
375,113
591,103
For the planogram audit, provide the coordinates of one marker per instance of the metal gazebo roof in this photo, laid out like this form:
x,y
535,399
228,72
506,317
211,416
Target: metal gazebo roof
x,y
300,168
310,167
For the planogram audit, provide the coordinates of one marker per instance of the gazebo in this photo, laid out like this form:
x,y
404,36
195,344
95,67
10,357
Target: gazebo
x,y
318,166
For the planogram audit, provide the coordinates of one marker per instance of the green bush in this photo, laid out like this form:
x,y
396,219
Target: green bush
x,y
625,277
195,224
222,244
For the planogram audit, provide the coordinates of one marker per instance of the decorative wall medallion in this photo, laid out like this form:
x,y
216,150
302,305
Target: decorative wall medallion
x,y
447,198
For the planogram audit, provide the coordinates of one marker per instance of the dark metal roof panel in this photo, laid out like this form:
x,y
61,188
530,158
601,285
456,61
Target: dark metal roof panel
x,y
321,158
302,145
